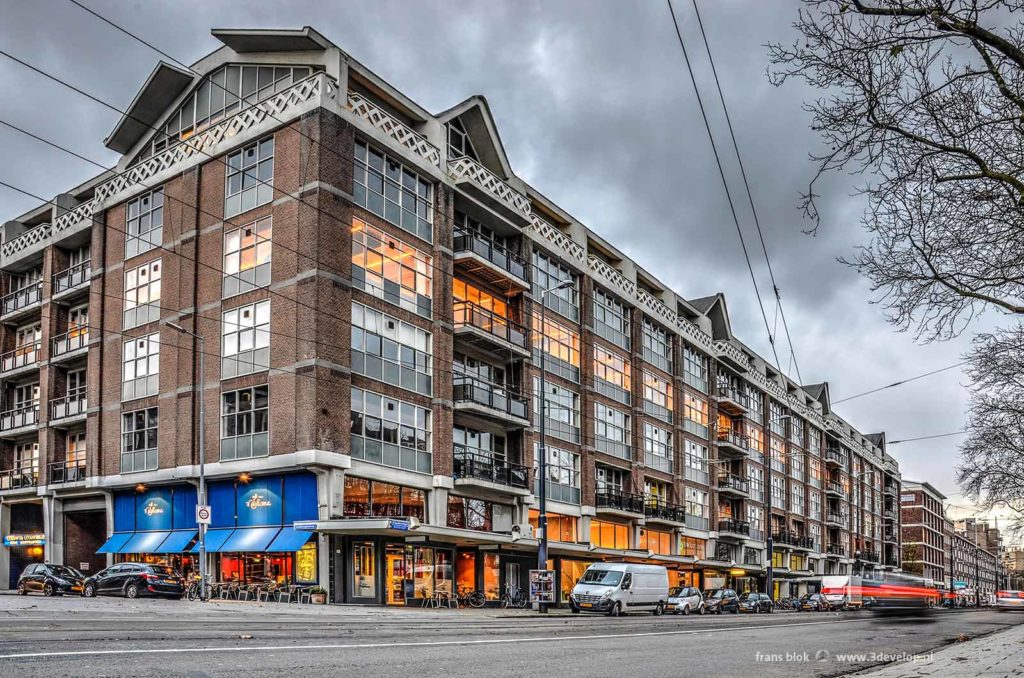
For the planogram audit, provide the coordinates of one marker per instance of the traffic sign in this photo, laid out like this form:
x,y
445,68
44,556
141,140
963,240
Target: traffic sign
x,y
203,514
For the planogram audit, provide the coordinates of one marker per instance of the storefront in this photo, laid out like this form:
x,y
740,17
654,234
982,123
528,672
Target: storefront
x,y
26,541
155,525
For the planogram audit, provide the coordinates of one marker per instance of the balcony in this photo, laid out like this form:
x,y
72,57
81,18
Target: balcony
x,y
835,550
732,356
729,483
889,514
835,458
619,503
24,417
18,479
71,406
795,540
870,555
72,279
730,400
890,489
734,529
891,560
490,189
21,358
61,472
835,519
478,254
21,300
834,488
496,403
890,536
732,444
488,330
69,344
474,468
660,511
393,128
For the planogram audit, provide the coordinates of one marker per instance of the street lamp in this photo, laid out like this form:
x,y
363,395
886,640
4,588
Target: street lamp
x,y
197,389
542,519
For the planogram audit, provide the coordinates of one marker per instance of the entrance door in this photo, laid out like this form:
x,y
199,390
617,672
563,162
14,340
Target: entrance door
x,y
512,575
364,570
394,575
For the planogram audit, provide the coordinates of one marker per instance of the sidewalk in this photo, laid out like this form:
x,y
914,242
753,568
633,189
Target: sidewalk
x,y
996,655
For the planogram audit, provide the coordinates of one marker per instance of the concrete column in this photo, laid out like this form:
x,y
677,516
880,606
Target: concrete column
x,y
53,528
437,503
586,515
108,500
5,553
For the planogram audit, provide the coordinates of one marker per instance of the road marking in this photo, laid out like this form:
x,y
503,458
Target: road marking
x,y
431,643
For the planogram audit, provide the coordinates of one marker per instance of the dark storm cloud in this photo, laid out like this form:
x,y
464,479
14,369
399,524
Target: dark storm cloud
x,y
595,108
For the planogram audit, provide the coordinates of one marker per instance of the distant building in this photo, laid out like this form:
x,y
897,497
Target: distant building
x,y
924,534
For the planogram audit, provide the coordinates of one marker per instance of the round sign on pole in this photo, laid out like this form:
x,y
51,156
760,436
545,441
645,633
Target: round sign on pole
x,y
203,515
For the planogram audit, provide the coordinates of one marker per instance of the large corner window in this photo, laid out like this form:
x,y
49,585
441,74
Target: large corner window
x,y
393,192
389,431
244,424
562,411
249,177
144,225
391,270
140,367
390,350
547,274
612,432
142,294
247,257
245,340
139,440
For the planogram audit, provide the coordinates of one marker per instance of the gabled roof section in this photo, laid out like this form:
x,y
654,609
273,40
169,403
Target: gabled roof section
x,y
475,115
715,309
820,393
159,91
246,40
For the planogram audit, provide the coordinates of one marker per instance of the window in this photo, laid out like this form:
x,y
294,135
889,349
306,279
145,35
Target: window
x,y
74,451
696,462
611,319
26,459
755,479
657,396
139,440
777,412
753,400
563,474
695,415
391,270
562,411
656,541
140,367
657,348
244,424
547,273
657,448
393,192
816,535
604,534
245,340
560,528
223,93
390,432
697,513
610,480
693,547
755,443
365,499
473,514
247,253
814,472
796,465
390,350
612,431
459,143
142,294
695,368
796,430
778,491
483,445
26,347
144,228
562,346
796,493
249,177
778,454
755,515
612,375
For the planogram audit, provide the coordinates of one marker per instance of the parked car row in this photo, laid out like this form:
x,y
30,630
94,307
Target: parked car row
x,y
131,580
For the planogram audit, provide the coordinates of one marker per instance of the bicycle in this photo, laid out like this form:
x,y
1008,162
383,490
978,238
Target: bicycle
x,y
192,592
471,598
514,597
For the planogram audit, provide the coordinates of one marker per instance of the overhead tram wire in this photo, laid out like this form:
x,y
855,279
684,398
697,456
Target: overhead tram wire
x,y
725,183
899,383
750,196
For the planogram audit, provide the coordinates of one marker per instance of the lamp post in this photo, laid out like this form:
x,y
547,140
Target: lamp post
x,y
542,519
197,389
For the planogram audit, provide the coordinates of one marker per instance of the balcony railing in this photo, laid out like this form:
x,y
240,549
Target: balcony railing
x,y
470,241
66,472
729,481
889,535
890,488
472,464
870,556
730,437
662,510
466,389
23,356
833,517
26,296
69,406
467,169
619,501
836,549
26,415
889,514
69,341
793,539
71,277
468,314
834,486
17,478
731,393
835,456
892,561
734,526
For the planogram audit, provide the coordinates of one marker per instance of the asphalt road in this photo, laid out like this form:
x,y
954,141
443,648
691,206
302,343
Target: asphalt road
x,y
114,637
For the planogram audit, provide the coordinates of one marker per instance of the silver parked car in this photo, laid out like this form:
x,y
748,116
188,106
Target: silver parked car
x,y
685,599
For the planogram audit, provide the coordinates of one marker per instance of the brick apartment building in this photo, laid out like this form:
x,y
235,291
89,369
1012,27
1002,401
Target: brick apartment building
x,y
366,279
926,535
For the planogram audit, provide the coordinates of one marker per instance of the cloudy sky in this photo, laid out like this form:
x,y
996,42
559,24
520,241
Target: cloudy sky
x,y
596,110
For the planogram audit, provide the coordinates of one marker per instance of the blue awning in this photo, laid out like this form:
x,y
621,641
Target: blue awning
x,y
176,541
214,540
145,542
115,542
249,539
289,539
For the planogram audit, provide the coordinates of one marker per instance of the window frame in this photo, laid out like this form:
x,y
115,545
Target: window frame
x,y
255,162
253,413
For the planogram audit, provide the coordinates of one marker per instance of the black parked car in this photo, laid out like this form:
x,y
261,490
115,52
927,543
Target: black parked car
x,y
133,580
814,602
755,602
50,580
717,601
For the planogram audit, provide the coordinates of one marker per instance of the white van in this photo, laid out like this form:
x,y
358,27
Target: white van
x,y
617,588
842,591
